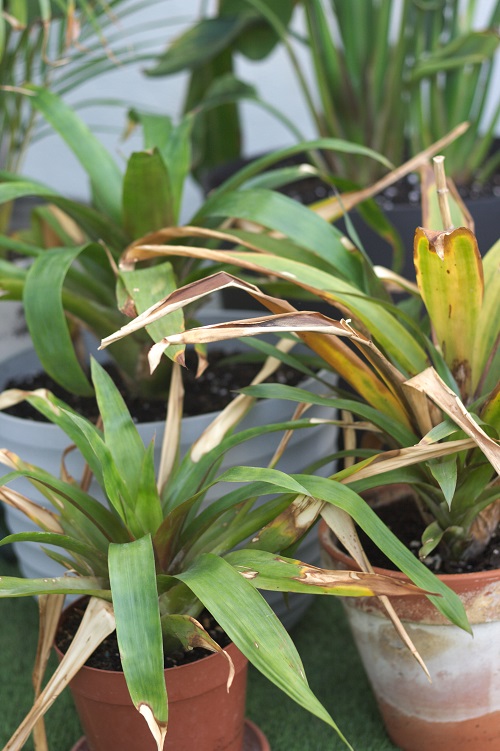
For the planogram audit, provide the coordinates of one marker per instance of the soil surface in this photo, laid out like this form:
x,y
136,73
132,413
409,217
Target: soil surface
x,y
404,520
107,657
209,393
405,191
311,189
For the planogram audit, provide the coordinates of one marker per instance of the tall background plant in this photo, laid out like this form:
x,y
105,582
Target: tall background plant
x,y
395,76
61,46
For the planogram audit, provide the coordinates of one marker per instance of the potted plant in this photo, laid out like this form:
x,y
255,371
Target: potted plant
x,y
391,76
433,54
73,285
423,389
74,249
153,559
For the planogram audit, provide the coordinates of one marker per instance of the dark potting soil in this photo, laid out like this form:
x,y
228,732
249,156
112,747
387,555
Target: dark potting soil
x,y
404,520
405,191
107,656
215,388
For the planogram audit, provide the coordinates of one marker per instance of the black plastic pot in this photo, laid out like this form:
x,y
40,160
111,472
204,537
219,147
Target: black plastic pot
x,y
405,217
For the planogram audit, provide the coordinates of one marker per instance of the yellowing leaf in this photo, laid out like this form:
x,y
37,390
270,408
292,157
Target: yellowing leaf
x,y
450,278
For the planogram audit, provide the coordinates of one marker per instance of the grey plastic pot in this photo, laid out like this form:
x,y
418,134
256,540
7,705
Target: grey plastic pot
x,y
43,444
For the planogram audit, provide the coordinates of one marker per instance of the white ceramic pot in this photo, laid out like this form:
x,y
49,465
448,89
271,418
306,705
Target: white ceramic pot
x,y
43,444
460,709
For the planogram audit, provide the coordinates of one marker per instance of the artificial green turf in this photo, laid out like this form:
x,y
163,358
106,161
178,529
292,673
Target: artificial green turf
x,y
322,638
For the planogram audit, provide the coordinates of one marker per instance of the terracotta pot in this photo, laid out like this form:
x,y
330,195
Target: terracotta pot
x,y
203,715
460,709
253,740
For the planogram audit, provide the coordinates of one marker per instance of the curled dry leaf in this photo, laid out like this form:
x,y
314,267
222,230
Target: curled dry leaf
x,y
97,623
432,384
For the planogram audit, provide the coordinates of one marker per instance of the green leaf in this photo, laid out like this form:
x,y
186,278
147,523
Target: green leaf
x,y
216,134
198,45
46,319
138,628
97,561
450,279
330,491
184,631
488,330
431,538
176,153
93,223
194,475
391,427
257,166
145,287
253,627
79,514
120,433
105,177
148,508
445,472
147,194
282,214
271,571
448,603
11,586
260,38
467,49
92,445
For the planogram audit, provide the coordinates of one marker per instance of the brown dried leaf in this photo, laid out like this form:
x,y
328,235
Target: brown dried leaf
x,y
343,527
172,433
486,523
333,208
236,409
50,607
389,460
41,516
430,383
98,622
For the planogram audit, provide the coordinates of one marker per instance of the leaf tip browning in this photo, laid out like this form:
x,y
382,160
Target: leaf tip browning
x,y
158,729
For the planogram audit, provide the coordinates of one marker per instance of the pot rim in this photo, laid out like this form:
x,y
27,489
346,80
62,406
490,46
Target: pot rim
x,y
326,535
235,652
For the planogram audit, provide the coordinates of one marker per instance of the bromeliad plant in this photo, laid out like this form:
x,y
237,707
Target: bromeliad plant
x,y
160,553
422,373
395,76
